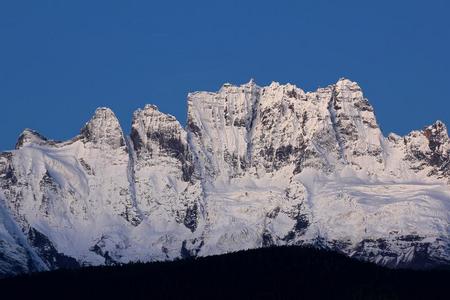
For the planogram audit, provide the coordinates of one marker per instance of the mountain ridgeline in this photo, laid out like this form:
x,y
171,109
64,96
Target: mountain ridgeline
x,y
254,167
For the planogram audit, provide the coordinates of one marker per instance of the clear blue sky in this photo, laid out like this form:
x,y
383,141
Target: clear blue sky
x,y
59,60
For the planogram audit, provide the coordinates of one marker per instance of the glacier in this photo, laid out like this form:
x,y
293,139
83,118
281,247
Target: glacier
x,y
253,167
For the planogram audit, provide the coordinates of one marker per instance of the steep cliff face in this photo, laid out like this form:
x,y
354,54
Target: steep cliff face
x,y
255,166
167,191
219,129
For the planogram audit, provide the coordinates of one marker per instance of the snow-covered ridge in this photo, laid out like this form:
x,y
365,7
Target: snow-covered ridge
x,y
255,166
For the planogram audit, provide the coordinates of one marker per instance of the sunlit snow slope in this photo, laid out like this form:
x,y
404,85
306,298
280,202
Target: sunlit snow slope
x,y
254,167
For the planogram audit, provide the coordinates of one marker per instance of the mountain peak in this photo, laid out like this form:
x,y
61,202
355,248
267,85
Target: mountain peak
x,y
437,135
151,107
104,128
438,127
149,120
251,82
345,83
30,136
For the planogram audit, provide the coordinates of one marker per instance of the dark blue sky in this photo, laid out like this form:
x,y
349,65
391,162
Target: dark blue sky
x,y
61,60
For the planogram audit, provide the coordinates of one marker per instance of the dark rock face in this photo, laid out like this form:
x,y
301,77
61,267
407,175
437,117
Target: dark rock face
x,y
192,127
15,266
438,144
364,105
190,249
87,167
303,157
131,216
166,141
191,218
267,239
176,148
154,133
302,223
98,249
10,182
283,153
292,94
7,175
138,144
49,188
48,252
437,136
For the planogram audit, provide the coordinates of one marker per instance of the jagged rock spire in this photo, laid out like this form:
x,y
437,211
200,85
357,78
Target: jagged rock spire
x,y
104,129
149,124
156,135
437,136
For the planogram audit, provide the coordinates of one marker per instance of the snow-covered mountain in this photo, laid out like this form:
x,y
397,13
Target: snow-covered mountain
x,y
254,167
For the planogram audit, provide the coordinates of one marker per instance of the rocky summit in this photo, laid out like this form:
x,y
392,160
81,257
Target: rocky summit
x,y
253,167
